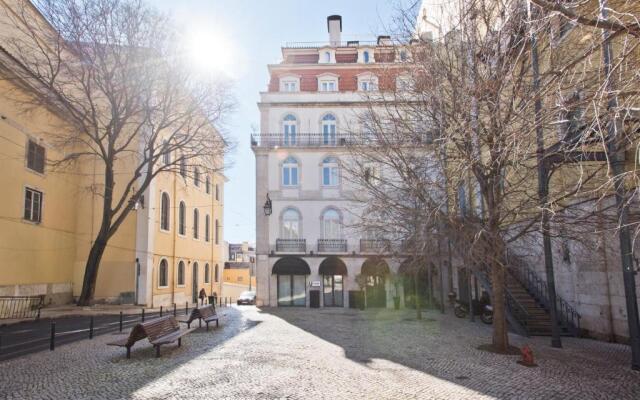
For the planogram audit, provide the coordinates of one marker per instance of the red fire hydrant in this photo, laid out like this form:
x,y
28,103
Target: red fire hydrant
x,y
527,357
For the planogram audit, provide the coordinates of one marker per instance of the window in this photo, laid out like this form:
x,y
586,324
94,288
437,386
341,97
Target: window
x,y
289,125
215,273
372,175
290,172
328,86
217,193
290,86
290,224
207,184
206,273
196,176
166,154
196,223
367,86
182,216
181,273
403,83
329,129
331,225
32,205
462,200
35,157
217,233
367,82
183,168
365,56
327,56
330,171
165,211
207,228
403,55
163,274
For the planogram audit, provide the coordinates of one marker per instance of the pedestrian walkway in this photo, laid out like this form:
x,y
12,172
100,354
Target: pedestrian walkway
x,y
327,353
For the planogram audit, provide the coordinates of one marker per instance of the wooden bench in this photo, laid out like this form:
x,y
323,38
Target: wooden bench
x,y
163,330
205,313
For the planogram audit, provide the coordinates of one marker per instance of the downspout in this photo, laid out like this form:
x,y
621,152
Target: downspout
x,y
605,262
175,232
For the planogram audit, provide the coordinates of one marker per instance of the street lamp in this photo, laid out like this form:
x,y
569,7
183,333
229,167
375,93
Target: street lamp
x,y
267,206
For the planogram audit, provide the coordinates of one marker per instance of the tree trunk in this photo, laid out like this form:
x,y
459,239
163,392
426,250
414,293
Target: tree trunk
x,y
500,337
91,270
415,290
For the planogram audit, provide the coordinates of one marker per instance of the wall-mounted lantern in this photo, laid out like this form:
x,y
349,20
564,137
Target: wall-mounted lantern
x,y
267,206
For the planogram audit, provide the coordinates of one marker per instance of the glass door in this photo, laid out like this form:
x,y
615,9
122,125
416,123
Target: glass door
x,y
299,290
284,290
333,292
292,290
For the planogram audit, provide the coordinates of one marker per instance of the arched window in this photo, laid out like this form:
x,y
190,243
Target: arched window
x,y
331,224
365,56
163,274
207,228
196,176
196,223
165,212
289,124
290,172
181,273
327,56
217,232
462,200
329,129
330,171
290,224
215,274
182,217
183,167
206,273
217,193
207,184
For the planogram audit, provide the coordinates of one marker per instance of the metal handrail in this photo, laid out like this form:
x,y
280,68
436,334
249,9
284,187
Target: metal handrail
x,y
517,315
312,139
537,287
20,306
375,245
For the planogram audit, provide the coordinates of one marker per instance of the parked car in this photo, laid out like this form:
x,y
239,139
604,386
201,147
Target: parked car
x,y
247,298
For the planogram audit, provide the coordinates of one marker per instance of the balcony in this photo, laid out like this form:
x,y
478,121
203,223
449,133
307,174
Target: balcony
x,y
273,140
291,245
376,246
332,245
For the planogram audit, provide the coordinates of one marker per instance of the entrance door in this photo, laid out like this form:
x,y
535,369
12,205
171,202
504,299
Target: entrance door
x,y
376,293
194,283
292,290
333,292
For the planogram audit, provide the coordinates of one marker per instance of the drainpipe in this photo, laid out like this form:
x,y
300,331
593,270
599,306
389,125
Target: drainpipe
x,y
175,232
605,262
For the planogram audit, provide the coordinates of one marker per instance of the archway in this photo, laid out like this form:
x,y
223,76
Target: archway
x,y
415,281
376,270
292,281
333,271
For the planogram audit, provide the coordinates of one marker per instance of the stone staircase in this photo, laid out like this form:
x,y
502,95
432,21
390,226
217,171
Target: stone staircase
x,y
538,320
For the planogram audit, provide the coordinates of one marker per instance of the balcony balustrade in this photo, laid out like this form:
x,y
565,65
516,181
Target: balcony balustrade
x,y
273,140
332,245
377,246
291,245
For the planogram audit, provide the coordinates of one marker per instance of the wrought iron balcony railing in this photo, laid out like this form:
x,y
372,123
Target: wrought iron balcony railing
x,y
291,245
332,245
271,140
375,246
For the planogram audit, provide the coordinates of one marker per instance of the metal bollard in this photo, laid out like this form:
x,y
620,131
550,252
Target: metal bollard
x,y
143,315
120,321
161,311
174,309
186,308
0,344
220,302
91,327
52,339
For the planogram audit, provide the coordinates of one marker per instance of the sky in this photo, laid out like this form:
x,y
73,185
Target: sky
x,y
247,35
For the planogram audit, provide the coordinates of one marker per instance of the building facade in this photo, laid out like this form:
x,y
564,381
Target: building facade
x,y
168,249
308,251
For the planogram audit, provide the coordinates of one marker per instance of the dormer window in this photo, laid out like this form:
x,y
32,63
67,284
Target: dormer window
x,y
367,82
328,83
365,55
327,56
290,84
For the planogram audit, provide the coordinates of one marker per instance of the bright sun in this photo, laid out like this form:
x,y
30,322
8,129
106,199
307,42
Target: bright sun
x,y
209,51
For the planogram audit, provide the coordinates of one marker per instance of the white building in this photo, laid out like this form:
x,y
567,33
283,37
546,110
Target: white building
x,y
306,254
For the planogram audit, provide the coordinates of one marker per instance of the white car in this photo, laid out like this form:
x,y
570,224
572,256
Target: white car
x,y
247,298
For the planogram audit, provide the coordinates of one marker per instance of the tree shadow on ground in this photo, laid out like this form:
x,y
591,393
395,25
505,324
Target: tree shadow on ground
x,y
448,348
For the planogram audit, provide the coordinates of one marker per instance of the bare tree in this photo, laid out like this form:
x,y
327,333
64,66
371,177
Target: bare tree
x,y
115,72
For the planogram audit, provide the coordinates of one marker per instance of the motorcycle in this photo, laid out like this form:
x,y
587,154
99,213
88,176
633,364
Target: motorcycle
x,y
461,310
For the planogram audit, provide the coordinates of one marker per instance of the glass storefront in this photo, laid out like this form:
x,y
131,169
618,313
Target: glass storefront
x,y
333,291
292,290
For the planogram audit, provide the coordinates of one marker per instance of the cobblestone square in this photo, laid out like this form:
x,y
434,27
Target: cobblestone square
x,y
329,354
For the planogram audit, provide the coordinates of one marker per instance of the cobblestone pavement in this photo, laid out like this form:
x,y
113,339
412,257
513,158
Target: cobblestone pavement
x,y
332,354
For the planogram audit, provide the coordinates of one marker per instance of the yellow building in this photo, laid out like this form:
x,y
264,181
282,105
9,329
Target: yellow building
x,y
168,249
